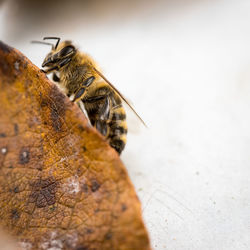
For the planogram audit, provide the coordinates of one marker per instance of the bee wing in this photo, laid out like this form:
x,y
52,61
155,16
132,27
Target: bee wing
x,y
118,92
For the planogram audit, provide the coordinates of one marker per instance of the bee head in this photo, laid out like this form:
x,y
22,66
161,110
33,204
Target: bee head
x,y
60,54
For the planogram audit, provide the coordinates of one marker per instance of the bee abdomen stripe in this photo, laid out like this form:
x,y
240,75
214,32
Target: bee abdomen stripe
x,y
118,116
118,131
118,113
118,144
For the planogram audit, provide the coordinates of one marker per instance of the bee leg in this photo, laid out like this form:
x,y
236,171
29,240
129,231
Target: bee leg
x,y
102,123
50,70
57,67
81,91
105,110
64,62
55,77
94,99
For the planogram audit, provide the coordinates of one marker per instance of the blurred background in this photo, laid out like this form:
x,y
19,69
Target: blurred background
x,y
185,66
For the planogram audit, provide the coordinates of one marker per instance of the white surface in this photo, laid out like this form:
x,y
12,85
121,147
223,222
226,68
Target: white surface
x,y
186,68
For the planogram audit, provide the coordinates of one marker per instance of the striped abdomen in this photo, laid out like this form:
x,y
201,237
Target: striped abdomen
x,y
118,128
105,111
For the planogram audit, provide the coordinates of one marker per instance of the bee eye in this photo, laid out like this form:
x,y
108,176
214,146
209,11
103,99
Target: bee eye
x,y
66,50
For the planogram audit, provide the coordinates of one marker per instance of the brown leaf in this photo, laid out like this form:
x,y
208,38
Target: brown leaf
x,y
7,242
61,185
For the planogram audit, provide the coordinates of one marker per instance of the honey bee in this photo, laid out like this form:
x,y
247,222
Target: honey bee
x,y
79,76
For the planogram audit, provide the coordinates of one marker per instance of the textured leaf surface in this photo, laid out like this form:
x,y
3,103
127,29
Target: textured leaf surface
x,y
61,185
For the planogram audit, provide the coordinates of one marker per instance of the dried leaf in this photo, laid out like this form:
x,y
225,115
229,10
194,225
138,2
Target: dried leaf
x,y
61,185
7,242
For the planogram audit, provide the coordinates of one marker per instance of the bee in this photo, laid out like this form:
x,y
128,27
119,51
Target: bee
x,y
78,75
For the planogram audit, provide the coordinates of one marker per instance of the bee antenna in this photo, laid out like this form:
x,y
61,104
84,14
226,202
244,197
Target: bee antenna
x,y
53,37
41,42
